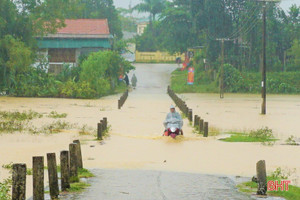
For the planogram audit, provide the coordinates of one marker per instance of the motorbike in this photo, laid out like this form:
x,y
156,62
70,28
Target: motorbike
x,y
173,132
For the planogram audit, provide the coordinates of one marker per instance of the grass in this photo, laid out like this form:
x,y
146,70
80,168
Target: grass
x,y
16,121
242,137
86,130
56,127
291,140
55,115
85,173
20,116
251,187
11,122
5,186
78,187
261,135
213,131
278,174
7,166
179,84
29,171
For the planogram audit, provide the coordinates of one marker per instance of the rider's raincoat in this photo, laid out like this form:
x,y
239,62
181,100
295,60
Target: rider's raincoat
x,y
173,120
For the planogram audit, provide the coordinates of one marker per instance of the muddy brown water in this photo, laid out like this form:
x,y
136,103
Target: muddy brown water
x,y
135,141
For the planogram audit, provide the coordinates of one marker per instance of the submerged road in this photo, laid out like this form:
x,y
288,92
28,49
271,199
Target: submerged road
x,y
150,162
136,163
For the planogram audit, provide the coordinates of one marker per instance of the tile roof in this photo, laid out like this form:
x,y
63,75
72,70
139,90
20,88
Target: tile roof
x,y
85,27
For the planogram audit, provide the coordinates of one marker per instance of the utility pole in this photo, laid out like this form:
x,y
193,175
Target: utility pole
x,y
221,85
222,73
264,63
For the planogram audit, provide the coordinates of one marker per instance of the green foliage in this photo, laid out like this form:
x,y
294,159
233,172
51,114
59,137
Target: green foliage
x,y
56,127
233,80
86,130
5,189
279,174
29,171
21,21
97,9
237,82
186,24
16,121
151,39
261,135
153,7
82,89
101,71
54,114
8,166
291,140
15,59
20,116
74,82
74,179
85,173
78,187
294,53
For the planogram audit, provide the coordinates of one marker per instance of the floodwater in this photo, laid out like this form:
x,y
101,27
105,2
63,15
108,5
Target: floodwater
x,y
136,147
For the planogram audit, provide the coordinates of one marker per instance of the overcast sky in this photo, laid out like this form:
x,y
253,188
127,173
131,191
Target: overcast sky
x,y
285,4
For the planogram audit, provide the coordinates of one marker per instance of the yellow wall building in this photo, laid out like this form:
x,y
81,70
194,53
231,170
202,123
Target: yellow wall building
x,y
156,57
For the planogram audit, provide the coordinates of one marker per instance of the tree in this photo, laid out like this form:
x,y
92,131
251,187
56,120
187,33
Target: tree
x,y
98,9
16,58
101,70
294,53
154,7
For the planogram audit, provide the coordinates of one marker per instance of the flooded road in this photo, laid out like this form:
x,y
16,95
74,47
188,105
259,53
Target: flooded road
x,y
135,143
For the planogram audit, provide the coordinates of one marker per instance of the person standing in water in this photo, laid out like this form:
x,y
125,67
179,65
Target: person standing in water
x,y
133,81
126,79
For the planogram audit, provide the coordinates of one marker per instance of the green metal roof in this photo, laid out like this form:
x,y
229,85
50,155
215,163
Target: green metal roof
x,y
48,43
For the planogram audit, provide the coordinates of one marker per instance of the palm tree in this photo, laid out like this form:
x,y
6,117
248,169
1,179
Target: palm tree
x,y
153,7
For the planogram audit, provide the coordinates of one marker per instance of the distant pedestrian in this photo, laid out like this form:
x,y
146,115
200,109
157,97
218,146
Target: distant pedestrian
x,y
178,61
133,81
126,79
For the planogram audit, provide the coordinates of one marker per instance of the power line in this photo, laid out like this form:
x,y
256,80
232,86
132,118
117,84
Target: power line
x,y
248,20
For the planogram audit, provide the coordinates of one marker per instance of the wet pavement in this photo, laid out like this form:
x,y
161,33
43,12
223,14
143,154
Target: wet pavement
x,y
157,185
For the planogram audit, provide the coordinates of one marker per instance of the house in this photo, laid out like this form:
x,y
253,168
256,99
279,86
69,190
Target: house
x,y
79,37
129,54
141,25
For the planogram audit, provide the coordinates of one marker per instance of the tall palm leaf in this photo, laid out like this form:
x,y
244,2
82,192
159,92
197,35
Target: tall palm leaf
x,y
153,7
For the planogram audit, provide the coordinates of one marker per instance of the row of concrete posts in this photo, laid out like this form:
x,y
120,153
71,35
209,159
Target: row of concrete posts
x,y
70,162
199,123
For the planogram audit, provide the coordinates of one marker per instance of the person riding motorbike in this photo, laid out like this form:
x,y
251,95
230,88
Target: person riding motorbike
x,y
173,121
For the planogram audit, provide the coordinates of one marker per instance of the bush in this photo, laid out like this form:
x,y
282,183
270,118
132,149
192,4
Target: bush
x,y
263,133
5,190
96,76
233,81
101,71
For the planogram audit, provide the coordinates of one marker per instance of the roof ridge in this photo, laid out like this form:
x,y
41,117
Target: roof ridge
x,y
85,26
